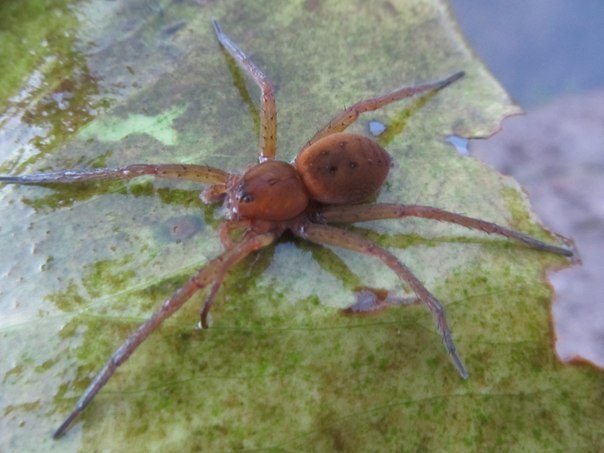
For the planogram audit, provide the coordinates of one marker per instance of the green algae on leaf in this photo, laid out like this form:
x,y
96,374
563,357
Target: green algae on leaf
x,y
110,129
280,367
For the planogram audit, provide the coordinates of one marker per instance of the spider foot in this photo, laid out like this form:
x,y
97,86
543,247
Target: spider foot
x,y
459,364
452,350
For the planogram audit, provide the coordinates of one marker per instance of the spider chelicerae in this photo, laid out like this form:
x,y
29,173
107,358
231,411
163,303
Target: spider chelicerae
x,y
329,182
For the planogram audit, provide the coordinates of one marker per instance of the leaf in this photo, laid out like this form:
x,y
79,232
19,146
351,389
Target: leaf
x,y
280,367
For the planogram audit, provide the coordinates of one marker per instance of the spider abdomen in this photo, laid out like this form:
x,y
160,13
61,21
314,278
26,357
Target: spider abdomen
x,y
343,168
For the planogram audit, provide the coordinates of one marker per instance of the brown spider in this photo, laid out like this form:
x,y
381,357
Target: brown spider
x,y
328,180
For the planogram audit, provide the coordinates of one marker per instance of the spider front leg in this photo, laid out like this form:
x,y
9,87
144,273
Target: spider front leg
x,y
223,268
268,105
379,211
328,235
206,275
198,173
341,121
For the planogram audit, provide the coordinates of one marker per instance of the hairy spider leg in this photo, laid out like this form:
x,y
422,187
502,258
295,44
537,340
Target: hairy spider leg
x,y
201,279
211,297
268,106
221,272
380,211
328,235
198,173
349,115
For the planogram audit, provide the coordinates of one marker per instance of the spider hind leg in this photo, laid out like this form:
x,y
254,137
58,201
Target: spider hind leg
x,y
328,235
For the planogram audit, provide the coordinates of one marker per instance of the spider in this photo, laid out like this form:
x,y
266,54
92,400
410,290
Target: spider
x,y
330,181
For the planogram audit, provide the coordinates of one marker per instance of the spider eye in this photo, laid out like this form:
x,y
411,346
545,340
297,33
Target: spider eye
x,y
246,198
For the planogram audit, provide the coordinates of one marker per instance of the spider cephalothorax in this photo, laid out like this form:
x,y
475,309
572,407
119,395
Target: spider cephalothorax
x,y
272,190
328,182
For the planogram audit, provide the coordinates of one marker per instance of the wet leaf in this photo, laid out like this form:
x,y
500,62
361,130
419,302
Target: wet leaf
x,y
281,367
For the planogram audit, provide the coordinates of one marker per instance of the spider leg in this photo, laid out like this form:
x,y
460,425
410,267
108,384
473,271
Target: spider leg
x,y
198,173
328,235
377,211
211,297
268,106
344,119
201,279
221,271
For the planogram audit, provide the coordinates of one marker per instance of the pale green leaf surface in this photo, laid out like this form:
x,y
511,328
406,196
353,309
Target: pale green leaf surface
x,y
281,367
